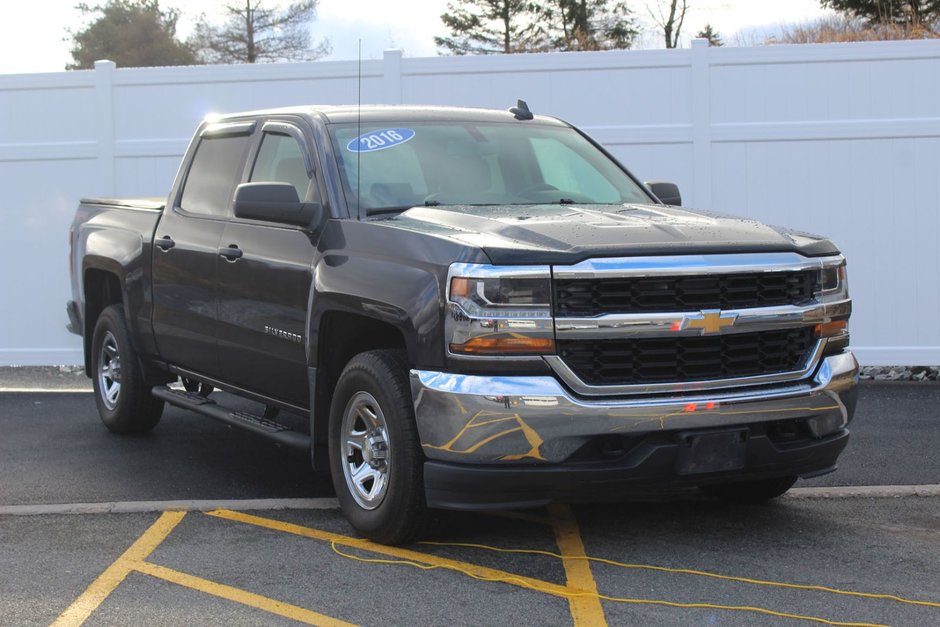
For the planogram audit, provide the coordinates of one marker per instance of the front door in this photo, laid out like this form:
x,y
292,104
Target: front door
x,y
263,294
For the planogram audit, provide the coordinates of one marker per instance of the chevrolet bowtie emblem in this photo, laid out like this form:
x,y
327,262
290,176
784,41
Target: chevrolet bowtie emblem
x,y
710,321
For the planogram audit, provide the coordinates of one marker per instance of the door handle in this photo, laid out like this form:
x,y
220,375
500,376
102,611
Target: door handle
x,y
164,243
232,253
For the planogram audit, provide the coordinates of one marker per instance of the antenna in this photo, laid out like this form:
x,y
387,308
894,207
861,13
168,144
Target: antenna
x,y
521,111
359,134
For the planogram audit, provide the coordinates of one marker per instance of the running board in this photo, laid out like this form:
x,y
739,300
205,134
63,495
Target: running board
x,y
258,425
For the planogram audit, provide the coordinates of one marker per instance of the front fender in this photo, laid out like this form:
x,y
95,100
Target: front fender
x,y
406,297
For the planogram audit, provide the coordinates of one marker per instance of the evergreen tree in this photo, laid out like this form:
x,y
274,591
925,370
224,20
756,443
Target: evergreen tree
x,y
709,33
132,33
903,12
590,24
256,33
491,26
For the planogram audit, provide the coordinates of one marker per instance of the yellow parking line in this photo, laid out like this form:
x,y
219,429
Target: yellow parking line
x,y
585,609
381,549
133,560
93,596
237,595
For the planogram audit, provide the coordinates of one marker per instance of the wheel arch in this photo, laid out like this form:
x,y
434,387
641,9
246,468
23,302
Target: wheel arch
x,y
343,334
103,286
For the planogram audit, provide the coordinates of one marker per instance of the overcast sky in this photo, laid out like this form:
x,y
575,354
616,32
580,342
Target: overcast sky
x,y
34,34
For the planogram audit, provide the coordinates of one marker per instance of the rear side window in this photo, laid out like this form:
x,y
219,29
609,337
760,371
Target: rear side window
x,y
215,170
281,160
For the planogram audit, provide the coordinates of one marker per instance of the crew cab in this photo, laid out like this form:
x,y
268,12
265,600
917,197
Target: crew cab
x,y
469,309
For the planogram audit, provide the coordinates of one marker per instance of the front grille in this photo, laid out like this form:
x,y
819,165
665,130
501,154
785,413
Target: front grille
x,y
594,297
682,359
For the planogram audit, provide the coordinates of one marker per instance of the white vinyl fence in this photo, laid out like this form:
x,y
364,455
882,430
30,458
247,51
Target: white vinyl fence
x,y
840,139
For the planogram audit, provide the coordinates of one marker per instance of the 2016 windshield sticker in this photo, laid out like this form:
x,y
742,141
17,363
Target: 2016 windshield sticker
x,y
380,139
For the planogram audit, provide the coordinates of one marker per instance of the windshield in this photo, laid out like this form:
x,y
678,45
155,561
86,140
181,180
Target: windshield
x,y
398,166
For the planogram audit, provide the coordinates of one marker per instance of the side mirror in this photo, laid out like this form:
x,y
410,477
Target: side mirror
x,y
666,192
275,202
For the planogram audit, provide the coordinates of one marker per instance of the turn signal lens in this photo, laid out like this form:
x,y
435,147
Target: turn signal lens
x,y
459,287
832,329
513,345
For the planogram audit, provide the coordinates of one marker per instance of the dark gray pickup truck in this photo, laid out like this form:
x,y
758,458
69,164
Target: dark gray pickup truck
x,y
468,309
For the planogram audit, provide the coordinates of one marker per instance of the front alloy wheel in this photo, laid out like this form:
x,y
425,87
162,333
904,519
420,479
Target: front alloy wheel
x,y
367,449
375,453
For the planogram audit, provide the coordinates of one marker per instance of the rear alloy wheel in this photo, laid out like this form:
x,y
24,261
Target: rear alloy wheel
x,y
109,371
124,401
375,454
751,491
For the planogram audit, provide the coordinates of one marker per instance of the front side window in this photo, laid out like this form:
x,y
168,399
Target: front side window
x,y
398,165
281,160
215,170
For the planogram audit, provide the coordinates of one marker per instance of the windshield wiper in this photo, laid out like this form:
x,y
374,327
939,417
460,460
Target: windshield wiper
x,y
380,210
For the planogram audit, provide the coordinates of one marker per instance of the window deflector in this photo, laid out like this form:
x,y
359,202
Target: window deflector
x,y
285,128
228,129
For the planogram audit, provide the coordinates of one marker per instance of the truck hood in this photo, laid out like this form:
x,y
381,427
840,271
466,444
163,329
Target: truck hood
x,y
566,234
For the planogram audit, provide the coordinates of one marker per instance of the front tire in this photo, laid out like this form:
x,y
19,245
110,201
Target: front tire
x,y
125,402
375,453
751,492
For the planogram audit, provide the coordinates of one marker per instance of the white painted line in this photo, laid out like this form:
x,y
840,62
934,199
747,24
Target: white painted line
x,y
864,492
135,507
45,390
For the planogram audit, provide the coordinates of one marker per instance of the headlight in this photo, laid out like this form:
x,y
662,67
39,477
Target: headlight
x,y
833,284
833,292
499,310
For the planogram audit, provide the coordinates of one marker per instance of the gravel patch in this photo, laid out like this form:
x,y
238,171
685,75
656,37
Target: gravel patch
x,y
44,378
900,373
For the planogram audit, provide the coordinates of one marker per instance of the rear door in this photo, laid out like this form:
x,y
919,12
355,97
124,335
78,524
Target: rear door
x,y
186,249
264,293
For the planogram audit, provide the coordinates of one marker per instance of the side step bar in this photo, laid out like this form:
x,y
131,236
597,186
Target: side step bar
x,y
256,424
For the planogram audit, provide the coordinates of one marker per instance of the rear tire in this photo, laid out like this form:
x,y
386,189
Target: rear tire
x,y
375,453
124,400
751,491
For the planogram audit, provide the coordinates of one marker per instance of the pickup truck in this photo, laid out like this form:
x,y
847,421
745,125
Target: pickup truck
x,y
464,309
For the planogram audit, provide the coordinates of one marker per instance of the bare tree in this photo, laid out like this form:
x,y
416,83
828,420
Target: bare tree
x,y
670,21
841,28
255,33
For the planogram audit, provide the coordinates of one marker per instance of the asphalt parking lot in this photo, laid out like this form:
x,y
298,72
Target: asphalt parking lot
x,y
259,542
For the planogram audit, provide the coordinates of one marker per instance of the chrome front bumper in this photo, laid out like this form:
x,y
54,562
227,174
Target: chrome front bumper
x,y
495,419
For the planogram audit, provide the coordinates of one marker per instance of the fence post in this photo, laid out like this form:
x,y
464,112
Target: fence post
x,y
104,125
391,69
701,125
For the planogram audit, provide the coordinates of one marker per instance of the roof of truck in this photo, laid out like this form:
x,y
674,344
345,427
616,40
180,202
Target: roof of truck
x,y
344,114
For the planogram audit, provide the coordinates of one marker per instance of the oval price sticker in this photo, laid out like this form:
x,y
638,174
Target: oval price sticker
x,y
380,139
